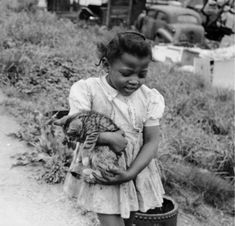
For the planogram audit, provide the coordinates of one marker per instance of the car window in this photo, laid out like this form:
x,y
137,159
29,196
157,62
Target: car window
x,y
194,3
151,13
187,19
161,16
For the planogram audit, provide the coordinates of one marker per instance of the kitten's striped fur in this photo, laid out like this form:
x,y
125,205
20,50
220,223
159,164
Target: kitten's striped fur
x,y
84,127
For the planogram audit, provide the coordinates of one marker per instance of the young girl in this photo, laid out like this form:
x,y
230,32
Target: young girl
x,y
136,109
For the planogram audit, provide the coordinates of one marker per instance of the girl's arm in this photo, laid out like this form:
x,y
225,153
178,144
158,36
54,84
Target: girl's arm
x,y
147,152
104,138
115,140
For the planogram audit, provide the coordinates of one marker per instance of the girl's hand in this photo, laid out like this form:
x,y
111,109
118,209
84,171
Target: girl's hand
x,y
115,140
120,176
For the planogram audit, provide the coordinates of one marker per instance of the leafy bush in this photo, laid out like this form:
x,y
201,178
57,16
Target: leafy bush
x,y
19,6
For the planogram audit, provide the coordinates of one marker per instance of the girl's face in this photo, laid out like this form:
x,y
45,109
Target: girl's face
x,y
128,73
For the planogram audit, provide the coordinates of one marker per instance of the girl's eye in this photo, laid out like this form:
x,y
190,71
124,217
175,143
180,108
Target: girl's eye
x,y
142,75
126,74
129,73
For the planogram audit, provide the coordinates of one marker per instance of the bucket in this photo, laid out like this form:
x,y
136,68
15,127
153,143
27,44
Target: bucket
x,y
154,217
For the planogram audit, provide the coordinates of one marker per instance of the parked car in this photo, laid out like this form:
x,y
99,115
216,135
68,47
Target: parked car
x,y
174,24
110,13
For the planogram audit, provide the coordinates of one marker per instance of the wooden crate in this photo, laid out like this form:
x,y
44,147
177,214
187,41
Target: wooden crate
x,y
58,5
220,73
224,73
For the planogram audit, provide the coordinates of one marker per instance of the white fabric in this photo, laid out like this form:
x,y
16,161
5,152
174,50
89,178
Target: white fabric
x,y
42,3
144,107
92,2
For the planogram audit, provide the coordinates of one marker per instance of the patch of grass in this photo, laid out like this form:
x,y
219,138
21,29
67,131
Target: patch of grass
x,y
212,188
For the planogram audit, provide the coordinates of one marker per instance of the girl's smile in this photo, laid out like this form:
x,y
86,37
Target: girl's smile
x,y
128,73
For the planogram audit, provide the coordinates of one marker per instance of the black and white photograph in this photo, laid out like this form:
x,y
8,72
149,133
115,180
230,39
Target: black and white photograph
x,y
117,113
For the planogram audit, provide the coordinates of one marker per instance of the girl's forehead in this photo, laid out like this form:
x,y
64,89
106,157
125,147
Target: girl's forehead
x,y
133,61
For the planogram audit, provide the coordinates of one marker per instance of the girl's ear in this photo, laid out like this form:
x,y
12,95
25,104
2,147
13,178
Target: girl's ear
x,y
105,64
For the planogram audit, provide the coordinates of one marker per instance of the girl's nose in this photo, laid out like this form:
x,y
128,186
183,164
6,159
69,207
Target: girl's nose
x,y
133,82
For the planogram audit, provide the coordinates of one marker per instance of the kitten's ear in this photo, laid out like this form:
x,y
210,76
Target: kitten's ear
x,y
75,127
62,121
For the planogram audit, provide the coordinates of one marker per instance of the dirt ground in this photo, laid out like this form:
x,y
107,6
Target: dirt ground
x,y
26,202
23,200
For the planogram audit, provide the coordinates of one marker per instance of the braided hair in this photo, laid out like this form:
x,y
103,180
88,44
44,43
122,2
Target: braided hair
x,y
130,42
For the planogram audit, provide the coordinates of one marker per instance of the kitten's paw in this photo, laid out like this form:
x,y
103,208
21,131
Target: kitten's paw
x,y
88,176
85,161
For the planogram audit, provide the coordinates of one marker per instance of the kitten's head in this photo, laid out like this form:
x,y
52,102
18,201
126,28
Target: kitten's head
x,y
72,126
74,130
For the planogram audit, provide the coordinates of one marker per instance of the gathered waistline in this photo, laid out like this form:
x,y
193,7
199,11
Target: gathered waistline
x,y
134,131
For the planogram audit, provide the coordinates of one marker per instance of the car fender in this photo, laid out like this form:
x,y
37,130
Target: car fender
x,y
196,31
165,34
85,13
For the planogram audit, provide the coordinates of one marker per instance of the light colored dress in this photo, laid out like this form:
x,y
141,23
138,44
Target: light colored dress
x,y
131,113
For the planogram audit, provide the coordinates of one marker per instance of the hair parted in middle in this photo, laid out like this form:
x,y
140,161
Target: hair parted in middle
x,y
130,42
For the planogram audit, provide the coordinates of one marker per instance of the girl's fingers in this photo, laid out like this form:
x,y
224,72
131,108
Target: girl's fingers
x,y
102,171
99,179
105,176
105,179
109,170
121,132
114,170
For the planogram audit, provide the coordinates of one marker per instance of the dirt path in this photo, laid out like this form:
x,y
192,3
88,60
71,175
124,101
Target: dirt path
x,y
23,201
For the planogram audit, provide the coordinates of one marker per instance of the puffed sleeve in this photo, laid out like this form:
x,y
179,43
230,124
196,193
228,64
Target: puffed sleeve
x,y
155,108
79,97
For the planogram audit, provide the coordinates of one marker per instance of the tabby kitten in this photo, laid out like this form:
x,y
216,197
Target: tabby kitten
x,y
84,127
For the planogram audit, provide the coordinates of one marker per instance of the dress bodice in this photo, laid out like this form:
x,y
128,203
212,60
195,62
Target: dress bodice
x,y
141,109
131,113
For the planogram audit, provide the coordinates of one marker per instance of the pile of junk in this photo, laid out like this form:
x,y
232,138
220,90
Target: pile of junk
x,y
201,23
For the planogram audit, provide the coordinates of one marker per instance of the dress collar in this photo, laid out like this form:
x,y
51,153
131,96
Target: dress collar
x,y
109,90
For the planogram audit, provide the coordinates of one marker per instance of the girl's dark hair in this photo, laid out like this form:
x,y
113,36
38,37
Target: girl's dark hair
x,y
130,42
